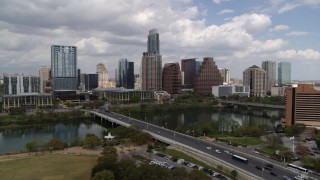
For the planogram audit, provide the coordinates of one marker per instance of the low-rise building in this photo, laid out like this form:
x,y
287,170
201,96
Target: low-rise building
x,y
228,90
302,105
123,95
278,91
29,101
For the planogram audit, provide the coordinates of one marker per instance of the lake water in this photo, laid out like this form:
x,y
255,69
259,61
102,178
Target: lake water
x,y
14,139
242,117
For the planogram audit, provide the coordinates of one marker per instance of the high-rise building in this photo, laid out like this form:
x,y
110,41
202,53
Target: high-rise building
x,y
89,81
153,42
208,75
225,74
15,84
284,73
171,78
255,77
151,64
102,72
271,73
64,72
302,105
44,73
125,74
189,67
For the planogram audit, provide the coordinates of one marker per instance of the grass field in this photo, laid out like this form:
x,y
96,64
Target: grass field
x,y
48,167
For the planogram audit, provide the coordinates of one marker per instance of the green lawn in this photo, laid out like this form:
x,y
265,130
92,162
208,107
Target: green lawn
x,y
249,141
48,167
270,151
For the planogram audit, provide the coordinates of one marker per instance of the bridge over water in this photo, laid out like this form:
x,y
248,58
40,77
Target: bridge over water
x,y
202,150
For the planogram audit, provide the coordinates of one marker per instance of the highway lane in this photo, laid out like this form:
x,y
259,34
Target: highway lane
x,y
203,146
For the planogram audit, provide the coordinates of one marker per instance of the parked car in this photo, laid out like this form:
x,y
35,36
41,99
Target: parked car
x,y
258,167
273,173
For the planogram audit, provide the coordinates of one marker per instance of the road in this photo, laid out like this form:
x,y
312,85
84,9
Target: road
x,y
210,148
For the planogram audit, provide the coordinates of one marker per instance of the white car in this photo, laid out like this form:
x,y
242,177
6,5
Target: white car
x,y
208,147
218,151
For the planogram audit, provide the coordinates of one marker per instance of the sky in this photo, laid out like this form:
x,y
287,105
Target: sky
x,y
236,33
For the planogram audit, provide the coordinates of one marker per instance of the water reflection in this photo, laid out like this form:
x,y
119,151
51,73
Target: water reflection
x,y
175,119
14,139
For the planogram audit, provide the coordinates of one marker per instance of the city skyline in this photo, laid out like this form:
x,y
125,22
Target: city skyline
x,y
237,34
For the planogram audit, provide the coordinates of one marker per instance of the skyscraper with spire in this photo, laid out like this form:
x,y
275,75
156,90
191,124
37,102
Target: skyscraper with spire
x,y
151,64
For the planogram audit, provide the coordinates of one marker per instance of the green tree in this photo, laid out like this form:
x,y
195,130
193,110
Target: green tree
x,y
274,140
56,144
141,138
104,175
90,141
308,162
198,175
180,173
31,146
76,141
234,174
127,169
295,130
318,143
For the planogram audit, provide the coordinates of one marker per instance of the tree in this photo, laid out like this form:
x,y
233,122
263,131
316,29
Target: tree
x,y
31,146
56,144
104,175
234,173
90,141
318,143
274,140
198,175
308,162
303,150
127,169
141,138
285,155
180,173
294,130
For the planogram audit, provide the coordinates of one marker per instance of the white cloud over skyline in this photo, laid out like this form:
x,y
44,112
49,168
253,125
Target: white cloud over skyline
x,y
105,31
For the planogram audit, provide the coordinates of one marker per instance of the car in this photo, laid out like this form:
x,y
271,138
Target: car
x,y
269,165
208,147
273,173
258,167
216,175
180,161
158,132
267,168
223,178
227,152
285,177
218,151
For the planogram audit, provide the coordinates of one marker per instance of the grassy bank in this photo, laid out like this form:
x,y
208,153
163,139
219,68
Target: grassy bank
x,y
41,118
48,167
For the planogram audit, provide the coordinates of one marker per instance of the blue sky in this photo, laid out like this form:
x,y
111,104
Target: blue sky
x,y
237,33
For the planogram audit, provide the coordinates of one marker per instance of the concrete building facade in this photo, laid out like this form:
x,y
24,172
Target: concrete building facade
x,y
225,74
271,73
229,90
208,75
171,78
255,78
302,105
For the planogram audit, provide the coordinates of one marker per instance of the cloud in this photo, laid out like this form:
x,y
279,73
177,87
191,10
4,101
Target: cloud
x,y
219,1
313,3
276,2
279,28
297,33
288,7
307,54
226,11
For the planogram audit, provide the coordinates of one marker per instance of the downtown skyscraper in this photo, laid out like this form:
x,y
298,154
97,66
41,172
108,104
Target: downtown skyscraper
x,y
271,73
151,64
64,72
125,74
284,73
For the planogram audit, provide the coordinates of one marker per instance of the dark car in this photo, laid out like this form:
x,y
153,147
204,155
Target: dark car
x,y
258,167
273,173
267,168
269,165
